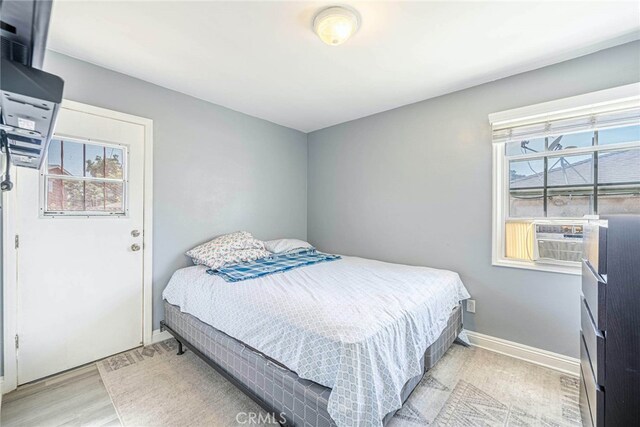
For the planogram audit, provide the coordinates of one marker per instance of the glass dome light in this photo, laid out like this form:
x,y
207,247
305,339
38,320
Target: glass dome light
x,y
334,25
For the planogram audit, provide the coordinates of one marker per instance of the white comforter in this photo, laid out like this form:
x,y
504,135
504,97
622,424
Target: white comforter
x,y
354,325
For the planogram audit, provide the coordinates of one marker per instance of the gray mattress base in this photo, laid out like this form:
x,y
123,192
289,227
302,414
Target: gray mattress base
x,y
302,402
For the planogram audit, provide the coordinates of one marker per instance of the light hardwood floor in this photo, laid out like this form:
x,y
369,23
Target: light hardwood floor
x,y
74,398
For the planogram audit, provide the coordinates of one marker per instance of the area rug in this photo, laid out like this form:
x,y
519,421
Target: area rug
x,y
475,387
152,386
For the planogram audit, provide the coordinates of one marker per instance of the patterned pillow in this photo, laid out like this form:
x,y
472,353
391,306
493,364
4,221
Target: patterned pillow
x,y
234,257
214,253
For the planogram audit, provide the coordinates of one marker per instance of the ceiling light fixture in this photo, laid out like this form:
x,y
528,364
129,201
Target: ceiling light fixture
x,y
334,25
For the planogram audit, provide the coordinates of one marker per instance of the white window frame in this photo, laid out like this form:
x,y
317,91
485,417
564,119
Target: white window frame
x,y
44,213
594,102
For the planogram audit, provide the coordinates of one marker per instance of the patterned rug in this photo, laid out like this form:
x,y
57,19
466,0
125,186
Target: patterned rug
x,y
469,387
475,387
152,386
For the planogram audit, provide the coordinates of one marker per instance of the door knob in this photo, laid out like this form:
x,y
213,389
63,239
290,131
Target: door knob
x,y
135,247
135,233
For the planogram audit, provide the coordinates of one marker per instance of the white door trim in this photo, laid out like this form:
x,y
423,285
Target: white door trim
x,y
9,296
9,257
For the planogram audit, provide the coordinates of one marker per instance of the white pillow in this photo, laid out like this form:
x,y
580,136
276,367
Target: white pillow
x,y
221,250
280,246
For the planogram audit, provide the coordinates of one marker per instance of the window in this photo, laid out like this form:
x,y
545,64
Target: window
x,y
556,167
84,178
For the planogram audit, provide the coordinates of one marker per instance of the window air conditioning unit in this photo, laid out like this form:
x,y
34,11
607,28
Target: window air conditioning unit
x,y
558,242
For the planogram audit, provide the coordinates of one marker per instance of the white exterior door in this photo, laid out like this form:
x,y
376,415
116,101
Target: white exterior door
x,y
80,254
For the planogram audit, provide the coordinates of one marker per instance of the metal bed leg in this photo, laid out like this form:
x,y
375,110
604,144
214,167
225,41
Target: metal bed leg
x,y
180,349
462,338
460,342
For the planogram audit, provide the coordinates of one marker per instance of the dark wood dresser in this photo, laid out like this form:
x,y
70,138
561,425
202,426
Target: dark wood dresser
x,y
610,316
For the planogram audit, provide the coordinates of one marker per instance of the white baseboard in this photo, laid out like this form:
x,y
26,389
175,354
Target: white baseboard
x,y
559,362
158,336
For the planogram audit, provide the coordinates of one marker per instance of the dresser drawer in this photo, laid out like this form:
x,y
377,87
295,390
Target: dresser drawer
x,y
595,247
595,292
595,395
594,342
585,411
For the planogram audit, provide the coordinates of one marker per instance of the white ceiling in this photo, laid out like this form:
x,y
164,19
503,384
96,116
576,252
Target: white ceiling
x,y
261,58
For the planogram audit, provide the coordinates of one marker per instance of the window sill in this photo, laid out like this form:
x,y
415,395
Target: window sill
x,y
550,268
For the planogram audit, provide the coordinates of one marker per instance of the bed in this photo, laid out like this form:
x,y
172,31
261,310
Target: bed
x,y
338,343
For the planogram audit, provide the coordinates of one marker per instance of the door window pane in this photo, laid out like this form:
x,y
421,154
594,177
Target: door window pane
x,y
54,194
94,163
72,158
114,197
73,195
94,196
54,158
113,163
65,195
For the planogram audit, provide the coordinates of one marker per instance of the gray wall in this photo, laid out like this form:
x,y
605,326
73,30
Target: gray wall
x,y
215,170
413,185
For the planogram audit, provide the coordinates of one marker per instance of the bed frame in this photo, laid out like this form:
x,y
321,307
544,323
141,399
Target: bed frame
x,y
291,400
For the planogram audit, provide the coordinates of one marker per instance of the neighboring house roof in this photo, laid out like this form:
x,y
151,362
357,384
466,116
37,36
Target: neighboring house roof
x,y
613,167
57,170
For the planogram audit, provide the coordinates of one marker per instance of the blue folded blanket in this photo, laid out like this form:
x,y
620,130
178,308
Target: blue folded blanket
x,y
273,264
